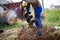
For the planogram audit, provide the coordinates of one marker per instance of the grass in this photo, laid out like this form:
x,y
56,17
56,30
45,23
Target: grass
x,y
52,17
7,27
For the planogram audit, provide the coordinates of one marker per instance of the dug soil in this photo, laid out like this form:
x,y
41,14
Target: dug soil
x,y
27,33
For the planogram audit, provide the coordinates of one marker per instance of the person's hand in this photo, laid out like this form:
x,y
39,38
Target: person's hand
x,y
20,7
43,15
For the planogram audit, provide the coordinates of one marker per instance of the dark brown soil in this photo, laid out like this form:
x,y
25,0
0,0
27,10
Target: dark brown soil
x,y
26,33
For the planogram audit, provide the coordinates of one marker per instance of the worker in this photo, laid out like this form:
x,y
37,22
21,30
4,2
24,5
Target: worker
x,y
26,10
37,12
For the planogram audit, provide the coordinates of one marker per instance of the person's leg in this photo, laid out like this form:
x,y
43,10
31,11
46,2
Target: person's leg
x,y
38,11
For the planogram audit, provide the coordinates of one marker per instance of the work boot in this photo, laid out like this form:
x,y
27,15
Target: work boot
x,y
38,32
31,24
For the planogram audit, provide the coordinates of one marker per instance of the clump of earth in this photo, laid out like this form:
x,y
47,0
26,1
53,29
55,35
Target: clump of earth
x,y
27,33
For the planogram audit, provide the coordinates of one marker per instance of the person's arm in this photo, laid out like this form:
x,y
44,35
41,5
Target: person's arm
x,y
20,5
5,11
32,1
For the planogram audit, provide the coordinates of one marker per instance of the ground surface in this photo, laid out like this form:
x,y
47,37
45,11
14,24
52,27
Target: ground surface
x,y
26,33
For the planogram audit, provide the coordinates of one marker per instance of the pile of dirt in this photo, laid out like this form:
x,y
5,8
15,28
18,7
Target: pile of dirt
x,y
26,33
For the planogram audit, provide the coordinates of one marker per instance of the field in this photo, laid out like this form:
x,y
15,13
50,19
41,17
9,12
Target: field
x,y
21,31
7,27
52,17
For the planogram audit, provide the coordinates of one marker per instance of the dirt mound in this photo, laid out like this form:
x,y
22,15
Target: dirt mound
x,y
26,33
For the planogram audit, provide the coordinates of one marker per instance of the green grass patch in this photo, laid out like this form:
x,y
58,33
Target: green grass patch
x,y
7,27
52,17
